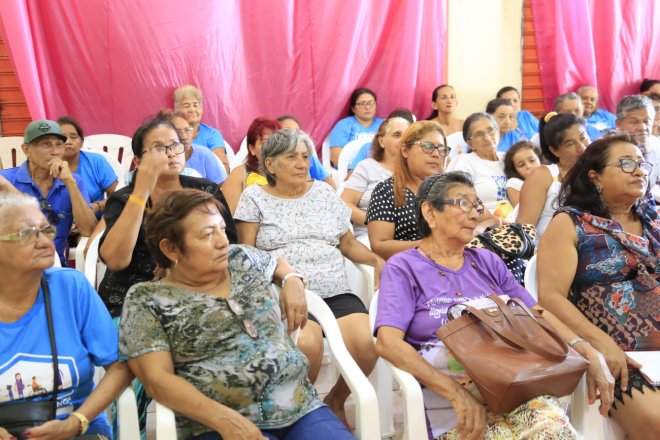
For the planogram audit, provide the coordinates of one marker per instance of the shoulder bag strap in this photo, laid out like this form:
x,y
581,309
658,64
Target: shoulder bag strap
x,y
53,345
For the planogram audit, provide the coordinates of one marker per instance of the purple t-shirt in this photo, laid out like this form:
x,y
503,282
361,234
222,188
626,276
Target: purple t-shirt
x,y
415,294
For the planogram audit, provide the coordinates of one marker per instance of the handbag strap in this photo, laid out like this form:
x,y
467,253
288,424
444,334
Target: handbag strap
x,y
528,244
513,339
510,317
53,345
548,329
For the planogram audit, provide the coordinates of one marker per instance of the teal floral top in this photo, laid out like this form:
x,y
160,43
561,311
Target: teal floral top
x,y
617,281
264,379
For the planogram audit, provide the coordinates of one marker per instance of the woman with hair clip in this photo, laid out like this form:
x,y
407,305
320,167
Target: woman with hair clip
x,y
444,104
598,271
563,139
370,171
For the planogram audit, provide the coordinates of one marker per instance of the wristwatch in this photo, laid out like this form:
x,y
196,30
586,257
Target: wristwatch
x,y
84,423
294,274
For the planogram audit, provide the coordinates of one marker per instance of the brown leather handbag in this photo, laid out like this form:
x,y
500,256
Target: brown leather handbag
x,y
511,354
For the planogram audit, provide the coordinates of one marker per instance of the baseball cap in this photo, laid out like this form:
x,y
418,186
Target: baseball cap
x,y
36,129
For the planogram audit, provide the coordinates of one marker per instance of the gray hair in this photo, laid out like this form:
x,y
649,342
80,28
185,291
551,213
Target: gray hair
x,y
434,190
583,88
634,102
281,142
10,200
566,97
186,91
474,117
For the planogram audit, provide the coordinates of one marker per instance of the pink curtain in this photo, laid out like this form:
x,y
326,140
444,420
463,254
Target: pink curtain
x,y
611,44
111,63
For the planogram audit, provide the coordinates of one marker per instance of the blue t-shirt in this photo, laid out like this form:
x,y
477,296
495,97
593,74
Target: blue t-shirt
x,y
527,123
209,137
56,206
85,337
207,164
510,138
349,129
364,153
316,169
97,174
600,123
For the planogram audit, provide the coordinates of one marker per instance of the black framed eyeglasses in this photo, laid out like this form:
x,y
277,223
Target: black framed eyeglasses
x,y
174,147
630,165
49,212
466,205
430,147
28,235
247,325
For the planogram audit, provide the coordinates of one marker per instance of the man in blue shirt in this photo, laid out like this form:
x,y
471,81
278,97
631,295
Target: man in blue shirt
x,y
599,121
46,175
188,100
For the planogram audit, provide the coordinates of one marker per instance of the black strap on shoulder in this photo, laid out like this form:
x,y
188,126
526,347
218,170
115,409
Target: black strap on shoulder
x,y
53,345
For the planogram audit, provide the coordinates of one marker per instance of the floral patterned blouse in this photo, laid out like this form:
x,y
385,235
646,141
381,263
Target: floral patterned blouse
x,y
616,284
264,379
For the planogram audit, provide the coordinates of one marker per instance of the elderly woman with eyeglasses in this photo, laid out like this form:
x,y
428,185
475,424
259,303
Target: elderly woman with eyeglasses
x,y
208,339
306,222
46,175
417,288
40,304
159,155
598,270
485,164
361,123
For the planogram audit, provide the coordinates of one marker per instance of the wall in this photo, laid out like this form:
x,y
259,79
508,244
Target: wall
x,y
484,44
14,115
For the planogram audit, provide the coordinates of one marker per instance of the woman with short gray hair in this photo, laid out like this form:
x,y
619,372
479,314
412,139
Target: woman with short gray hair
x,y
305,222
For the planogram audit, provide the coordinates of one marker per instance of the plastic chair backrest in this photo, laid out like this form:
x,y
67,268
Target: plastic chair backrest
x,y
241,155
325,153
536,139
531,283
347,155
231,155
11,153
94,267
114,163
116,145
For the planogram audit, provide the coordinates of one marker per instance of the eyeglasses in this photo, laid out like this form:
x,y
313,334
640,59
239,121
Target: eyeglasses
x,y
29,235
466,205
174,147
430,147
247,325
629,165
482,134
186,131
365,103
49,212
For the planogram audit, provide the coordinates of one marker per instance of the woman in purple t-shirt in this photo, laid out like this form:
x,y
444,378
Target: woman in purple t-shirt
x,y
419,285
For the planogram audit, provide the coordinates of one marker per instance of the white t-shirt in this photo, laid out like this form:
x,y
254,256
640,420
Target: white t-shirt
x,y
489,178
550,201
364,179
514,183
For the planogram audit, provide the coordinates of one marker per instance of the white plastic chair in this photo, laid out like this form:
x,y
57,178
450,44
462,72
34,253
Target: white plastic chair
x,y
347,155
530,278
127,415
325,153
10,146
116,145
366,402
231,156
536,139
414,417
241,155
94,267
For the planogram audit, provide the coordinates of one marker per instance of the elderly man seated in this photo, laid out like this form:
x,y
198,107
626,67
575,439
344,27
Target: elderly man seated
x,y
46,175
572,103
188,100
599,120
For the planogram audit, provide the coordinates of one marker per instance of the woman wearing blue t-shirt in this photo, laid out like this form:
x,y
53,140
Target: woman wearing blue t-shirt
x,y
40,305
99,177
361,122
524,121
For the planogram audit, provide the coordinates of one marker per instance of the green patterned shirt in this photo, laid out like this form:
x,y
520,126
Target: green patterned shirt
x,y
264,379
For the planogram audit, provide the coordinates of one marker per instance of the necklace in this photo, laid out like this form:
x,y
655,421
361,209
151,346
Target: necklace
x,y
430,256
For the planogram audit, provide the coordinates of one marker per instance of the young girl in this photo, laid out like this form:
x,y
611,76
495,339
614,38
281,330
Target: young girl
x,y
519,162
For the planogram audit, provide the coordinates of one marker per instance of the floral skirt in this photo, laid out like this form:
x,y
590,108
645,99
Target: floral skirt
x,y
540,418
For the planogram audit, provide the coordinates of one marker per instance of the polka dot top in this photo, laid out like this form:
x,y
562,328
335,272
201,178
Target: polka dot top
x,y
381,207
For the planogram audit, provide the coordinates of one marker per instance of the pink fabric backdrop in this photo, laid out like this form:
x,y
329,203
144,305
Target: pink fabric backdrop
x,y
111,63
611,44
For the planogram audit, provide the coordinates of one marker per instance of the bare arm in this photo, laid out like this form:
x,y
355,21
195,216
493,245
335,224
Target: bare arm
x,y
247,232
381,238
334,155
355,251
557,265
470,414
532,196
233,187
6,186
352,198
82,213
222,155
513,195
292,298
156,372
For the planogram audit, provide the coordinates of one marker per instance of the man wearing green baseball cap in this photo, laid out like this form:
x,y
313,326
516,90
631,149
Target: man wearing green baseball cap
x,y
46,176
